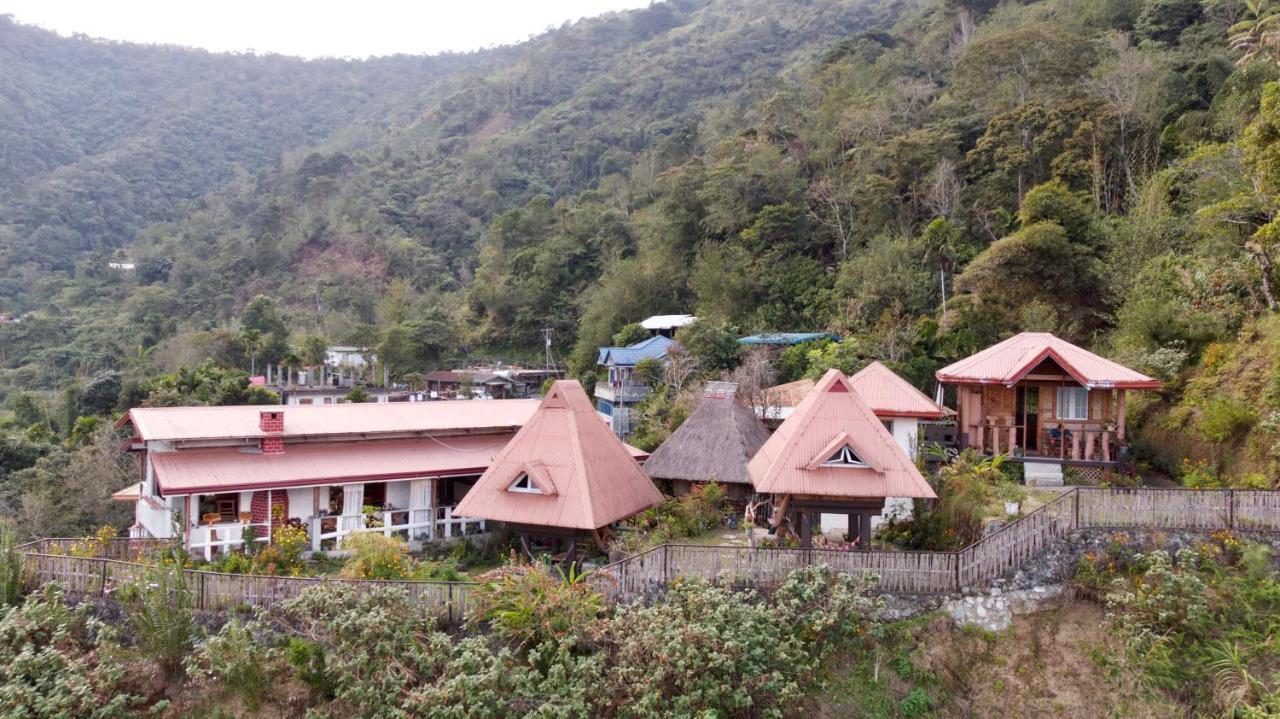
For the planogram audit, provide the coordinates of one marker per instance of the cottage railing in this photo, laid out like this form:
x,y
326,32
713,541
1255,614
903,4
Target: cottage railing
x,y
999,554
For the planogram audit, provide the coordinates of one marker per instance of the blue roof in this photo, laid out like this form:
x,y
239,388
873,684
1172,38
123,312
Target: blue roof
x,y
785,338
653,348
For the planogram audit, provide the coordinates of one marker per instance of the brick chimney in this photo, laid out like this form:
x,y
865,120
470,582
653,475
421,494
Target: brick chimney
x,y
271,421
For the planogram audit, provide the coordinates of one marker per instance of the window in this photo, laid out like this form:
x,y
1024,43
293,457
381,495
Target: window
x,y
888,424
844,457
524,483
219,508
1073,403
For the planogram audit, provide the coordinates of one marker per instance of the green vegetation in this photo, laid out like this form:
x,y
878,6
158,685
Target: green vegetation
x,y
1197,627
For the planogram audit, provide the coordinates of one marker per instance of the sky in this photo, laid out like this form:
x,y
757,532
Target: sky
x,y
315,28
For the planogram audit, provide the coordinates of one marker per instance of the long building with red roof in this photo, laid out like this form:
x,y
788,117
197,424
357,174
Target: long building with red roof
x,y
399,467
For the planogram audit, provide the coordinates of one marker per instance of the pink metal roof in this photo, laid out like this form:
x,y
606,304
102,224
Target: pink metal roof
x,y
227,469
791,462
1009,361
880,387
596,480
238,422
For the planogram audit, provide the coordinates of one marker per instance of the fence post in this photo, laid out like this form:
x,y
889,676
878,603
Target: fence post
x,y
202,599
958,555
666,570
102,587
450,604
1231,509
1075,523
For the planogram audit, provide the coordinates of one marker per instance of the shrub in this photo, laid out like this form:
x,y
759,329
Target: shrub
x,y
161,613
823,606
55,662
528,605
10,568
1164,600
239,658
705,651
365,649
96,544
375,556
1223,419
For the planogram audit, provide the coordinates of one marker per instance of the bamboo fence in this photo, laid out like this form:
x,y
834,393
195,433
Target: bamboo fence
x,y
640,575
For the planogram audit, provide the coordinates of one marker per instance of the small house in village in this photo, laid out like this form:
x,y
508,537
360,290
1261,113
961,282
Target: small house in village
x,y
563,478
833,455
1044,402
785,339
210,474
666,325
620,389
715,443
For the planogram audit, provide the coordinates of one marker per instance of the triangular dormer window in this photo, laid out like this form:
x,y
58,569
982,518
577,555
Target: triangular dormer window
x,y
524,483
844,457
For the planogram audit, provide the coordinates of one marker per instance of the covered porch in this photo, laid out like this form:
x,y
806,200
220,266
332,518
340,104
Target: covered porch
x,y
1037,397
417,510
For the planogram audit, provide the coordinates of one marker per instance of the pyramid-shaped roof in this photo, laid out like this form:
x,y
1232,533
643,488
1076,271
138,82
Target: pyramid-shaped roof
x,y
713,443
804,455
580,476
1009,361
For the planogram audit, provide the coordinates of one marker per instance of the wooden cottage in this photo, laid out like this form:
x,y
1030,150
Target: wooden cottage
x,y
1043,401
713,444
564,477
833,455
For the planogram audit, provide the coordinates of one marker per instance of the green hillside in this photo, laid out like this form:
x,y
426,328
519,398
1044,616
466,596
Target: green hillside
x,y
923,178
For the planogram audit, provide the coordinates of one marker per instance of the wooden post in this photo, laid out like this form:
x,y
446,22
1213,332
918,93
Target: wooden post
x,y
806,530
864,532
1120,416
852,530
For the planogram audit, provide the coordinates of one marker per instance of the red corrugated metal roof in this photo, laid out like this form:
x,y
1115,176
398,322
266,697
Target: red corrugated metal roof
x,y
597,481
202,423
789,463
227,469
880,387
1011,360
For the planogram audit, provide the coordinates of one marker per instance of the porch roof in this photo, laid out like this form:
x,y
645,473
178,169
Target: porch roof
x,y
1008,362
229,469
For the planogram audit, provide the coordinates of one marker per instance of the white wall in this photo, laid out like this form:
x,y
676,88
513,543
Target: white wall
x,y
905,430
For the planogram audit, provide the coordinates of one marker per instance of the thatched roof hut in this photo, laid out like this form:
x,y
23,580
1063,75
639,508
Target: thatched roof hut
x,y
714,443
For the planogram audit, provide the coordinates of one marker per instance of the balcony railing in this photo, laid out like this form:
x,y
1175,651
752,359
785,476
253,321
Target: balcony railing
x,y
222,537
411,524
627,391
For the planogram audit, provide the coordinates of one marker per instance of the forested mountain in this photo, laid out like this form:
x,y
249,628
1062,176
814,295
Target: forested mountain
x,y
922,177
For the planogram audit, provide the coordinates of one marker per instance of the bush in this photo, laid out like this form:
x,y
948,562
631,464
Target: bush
x,y
375,556
55,662
365,649
527,605
238,657
1223,419
162,616
11,585
701,509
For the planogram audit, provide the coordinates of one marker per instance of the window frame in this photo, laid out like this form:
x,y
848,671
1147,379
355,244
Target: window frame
x,y
847,458
1079,402
529,488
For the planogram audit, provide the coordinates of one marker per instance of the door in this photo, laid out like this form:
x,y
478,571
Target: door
x,y
1028,418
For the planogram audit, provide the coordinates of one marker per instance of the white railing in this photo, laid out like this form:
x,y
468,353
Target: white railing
x,y
413,524
211,539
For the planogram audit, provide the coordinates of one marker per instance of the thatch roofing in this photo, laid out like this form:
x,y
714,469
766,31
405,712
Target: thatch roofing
x,y
714,443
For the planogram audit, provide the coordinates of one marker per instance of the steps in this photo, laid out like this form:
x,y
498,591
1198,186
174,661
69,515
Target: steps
x,y
1042,474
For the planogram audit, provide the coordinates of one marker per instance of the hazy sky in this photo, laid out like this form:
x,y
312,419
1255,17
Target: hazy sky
x,y
356,28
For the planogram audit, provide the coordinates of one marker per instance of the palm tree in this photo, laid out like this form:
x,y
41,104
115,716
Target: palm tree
x,y
253,343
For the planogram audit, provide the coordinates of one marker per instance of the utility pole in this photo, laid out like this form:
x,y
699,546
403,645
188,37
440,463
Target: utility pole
x,y
546,336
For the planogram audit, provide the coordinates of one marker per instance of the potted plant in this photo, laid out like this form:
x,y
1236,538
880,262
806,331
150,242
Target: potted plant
x,y
246,517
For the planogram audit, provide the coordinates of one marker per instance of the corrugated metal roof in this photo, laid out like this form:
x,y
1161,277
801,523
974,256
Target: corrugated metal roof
x,y
462,416
652,348
128,494
1009,361
888,394
667,322
597,481
225,469
784,338
790,462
